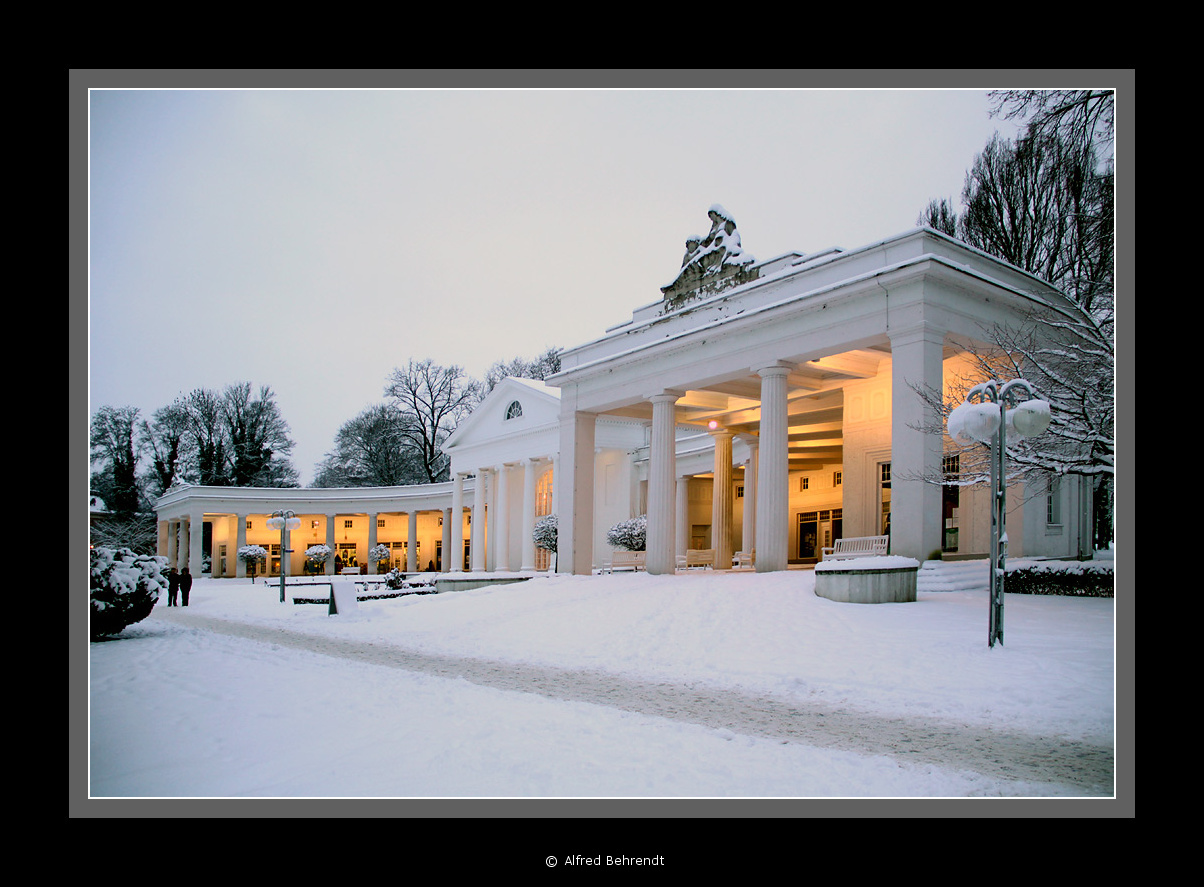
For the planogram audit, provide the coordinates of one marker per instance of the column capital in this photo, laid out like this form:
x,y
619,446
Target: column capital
x,y
773,368
665,395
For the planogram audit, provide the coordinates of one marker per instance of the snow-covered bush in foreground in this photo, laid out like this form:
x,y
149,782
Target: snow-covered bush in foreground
x,y
630,535
124,587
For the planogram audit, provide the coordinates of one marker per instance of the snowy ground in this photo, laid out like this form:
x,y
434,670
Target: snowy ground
x,y
178,710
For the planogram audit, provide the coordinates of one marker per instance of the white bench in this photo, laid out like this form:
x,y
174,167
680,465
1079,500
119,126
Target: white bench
x,y
626,560
857,546
744,558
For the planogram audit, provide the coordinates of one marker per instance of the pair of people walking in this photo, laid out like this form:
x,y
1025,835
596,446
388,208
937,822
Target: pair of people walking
x,y
178,587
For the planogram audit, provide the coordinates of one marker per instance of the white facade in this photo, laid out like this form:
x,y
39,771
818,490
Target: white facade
x,y
774,415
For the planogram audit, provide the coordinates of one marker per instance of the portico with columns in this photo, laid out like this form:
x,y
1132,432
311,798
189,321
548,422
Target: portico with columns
x,y
812,363
199,522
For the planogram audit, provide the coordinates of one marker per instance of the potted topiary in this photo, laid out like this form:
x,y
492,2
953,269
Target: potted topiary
x,y
379,555
316,557
253,556
544,535
629,535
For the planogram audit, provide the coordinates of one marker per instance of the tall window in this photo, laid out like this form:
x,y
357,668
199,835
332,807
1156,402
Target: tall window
x,y
543,506
1053,501
950,501
884,482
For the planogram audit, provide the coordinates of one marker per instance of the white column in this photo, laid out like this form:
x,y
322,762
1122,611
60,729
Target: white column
x,y
530,479
330,544
915,454
501,557
373,535
749,542
412,542
446,539
662,478
773,497
683,514
196,536
721,500
455,557
573,491
477,531
240,537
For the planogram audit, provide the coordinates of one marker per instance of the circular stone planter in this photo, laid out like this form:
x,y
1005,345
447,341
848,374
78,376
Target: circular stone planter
x,y
868,580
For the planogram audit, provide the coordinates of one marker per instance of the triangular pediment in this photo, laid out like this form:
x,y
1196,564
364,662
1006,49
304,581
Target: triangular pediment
x,y
514,407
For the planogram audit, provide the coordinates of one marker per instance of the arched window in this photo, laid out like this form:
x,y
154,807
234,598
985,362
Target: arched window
x,y
514,410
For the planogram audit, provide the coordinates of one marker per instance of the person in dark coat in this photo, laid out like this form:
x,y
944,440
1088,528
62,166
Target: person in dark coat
x,y
173,587
185,585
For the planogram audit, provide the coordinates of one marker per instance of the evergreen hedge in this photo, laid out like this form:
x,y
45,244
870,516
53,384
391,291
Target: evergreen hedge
x,y
1061,577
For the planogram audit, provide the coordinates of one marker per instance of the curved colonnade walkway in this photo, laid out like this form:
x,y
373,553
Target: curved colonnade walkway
x,y
994,753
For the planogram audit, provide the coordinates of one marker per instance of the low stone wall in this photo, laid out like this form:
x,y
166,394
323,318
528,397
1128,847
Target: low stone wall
x,y
870,580
468,581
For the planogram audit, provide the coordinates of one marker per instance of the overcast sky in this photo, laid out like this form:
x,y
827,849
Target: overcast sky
x,y
314,240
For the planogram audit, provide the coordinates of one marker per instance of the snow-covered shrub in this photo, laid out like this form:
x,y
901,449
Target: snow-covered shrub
x,y
545,532
379,555
316,555
124,587
394,579
630,535
253,556
1074,578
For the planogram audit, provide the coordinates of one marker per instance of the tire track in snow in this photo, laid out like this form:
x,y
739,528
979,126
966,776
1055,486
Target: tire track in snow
x,y
917,741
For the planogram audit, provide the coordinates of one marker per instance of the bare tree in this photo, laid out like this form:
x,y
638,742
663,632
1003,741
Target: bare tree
x,y
546,364
113,447
208,440
165,438
1045,203
237,438
433,399
372,450
940,216
259,438
1079,116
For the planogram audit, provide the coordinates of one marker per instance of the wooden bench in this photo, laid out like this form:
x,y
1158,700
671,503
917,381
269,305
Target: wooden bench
x,y
857,546
699,558
744,558
626,560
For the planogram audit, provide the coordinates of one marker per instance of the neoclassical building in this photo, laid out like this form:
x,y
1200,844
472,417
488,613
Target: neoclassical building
x,y
756,406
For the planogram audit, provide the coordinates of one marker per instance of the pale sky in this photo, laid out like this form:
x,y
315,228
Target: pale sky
x,y
313,240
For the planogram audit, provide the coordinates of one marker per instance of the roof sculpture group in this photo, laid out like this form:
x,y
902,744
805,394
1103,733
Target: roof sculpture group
x,y
712,263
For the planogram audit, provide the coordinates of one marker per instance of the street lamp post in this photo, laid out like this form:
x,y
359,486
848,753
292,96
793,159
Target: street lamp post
x,y
283,521
991,410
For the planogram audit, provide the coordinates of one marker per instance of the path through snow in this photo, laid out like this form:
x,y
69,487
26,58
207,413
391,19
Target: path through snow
x,y
1000,754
